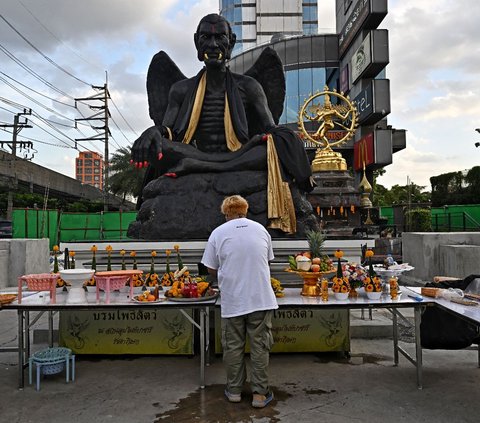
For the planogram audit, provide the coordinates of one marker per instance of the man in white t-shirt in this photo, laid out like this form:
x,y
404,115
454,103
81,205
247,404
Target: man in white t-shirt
x,y
238,253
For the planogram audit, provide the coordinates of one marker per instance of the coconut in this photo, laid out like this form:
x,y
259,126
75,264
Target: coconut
x,y
303,263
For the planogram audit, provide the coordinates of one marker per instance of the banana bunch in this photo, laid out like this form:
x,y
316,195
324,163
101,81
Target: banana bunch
x,y
277,287
292,262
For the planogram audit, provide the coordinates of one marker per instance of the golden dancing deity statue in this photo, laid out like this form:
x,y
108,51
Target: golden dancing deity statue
x,y
341,116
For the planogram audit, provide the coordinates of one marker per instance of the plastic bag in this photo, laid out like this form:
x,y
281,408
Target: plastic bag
x,y
451,293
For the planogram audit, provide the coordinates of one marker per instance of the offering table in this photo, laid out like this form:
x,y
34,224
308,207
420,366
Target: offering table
x,y
119,303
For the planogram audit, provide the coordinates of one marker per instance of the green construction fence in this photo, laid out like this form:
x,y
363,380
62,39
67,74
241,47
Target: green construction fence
x,y
67,227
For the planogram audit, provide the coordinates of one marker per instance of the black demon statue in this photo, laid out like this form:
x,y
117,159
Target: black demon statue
x,y
215,135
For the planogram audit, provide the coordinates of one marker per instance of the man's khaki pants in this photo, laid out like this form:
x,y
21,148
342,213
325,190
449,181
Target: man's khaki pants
x,y
257,326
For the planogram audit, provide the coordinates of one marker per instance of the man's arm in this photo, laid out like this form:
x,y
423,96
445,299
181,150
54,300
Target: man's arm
x,y
212,272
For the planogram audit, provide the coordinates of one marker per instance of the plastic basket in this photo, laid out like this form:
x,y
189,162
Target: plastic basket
x,y
52,359
116,282
40,281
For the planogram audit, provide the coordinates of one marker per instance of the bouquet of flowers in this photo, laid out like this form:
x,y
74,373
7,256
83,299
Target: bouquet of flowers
x,y
355,273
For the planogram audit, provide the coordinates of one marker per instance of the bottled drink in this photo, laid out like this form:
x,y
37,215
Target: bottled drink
x,y
324,289
393,288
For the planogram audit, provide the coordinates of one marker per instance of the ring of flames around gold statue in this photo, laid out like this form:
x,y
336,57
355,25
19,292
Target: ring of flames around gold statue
x,y
340,115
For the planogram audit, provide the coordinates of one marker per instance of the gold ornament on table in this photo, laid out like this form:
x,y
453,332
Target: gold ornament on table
x,y
151,279
109,250
60,282
91,281
71,254
319,112
122,253
137,279
168,277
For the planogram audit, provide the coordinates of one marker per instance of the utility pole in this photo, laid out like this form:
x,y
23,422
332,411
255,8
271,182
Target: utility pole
x,y
17,127
102,115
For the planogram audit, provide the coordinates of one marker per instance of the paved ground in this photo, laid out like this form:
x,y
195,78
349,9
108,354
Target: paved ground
x,y
308,387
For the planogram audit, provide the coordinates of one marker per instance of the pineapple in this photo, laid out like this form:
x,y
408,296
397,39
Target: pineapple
x,y
315,241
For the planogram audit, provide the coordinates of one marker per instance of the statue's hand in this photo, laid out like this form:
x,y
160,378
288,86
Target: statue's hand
x,y
147,148
259,138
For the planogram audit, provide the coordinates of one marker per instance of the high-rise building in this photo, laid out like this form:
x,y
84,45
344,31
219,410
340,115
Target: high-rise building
x,y
353,62
257,21
89,169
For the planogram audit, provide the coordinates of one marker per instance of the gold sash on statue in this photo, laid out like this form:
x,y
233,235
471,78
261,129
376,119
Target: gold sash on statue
x,y
281,211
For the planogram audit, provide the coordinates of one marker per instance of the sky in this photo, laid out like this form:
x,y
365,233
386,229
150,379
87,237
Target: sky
x,y
434,74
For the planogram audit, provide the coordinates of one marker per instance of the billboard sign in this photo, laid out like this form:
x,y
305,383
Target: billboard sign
x,y
354,23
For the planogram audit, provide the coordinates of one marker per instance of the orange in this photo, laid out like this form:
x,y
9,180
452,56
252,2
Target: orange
x,y
150,297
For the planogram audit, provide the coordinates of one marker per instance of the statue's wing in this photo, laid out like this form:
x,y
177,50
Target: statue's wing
x,y
268,71
162,74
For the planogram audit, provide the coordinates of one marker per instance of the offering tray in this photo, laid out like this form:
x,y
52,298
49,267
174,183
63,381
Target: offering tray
x,y
195,300
136,300
395,270
311,287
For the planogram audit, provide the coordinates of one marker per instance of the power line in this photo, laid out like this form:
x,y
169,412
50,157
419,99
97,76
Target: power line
x,y
42,54
34,100
58,39
32,72
125,120
35,91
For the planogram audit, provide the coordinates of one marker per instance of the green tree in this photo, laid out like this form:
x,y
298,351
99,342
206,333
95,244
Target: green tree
x,y
124,179
400,194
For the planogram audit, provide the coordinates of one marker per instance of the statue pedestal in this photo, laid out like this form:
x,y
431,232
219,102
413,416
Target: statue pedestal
x,y
188,207
336,202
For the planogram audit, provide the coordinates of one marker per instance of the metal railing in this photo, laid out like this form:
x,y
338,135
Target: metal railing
x,y
454,222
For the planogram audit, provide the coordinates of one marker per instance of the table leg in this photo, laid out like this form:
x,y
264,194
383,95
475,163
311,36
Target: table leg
x,y
21,348
395,336
207,336
67,368
73,367
202,348
418,345
50,329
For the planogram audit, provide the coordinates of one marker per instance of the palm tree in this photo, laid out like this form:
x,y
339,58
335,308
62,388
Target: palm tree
x,y
124,179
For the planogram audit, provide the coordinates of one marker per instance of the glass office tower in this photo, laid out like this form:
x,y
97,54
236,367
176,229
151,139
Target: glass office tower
x,y
256,22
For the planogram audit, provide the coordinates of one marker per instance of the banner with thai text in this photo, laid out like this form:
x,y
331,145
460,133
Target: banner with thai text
x,y
126,331
304,330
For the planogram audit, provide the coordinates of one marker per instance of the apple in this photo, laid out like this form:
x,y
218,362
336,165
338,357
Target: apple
x,y
315,268
316,260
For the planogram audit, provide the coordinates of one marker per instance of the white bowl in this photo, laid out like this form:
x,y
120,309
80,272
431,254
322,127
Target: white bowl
x,y
374,295
76,276
341,296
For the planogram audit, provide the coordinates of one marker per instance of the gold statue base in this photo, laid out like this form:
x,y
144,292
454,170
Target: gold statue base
x,y
327,160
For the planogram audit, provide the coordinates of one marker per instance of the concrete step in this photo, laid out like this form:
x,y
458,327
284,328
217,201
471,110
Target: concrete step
x,y
377,323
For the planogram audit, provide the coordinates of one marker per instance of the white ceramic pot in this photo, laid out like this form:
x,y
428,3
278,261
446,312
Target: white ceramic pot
x,y
374,295
341,296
